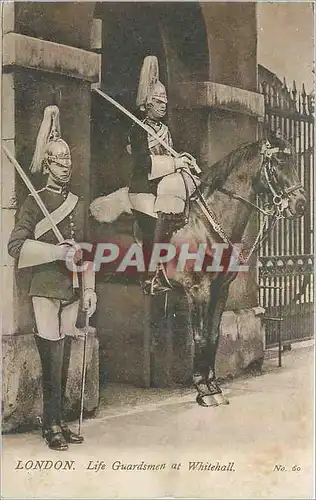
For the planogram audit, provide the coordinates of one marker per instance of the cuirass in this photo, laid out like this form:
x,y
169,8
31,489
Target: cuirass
x,y
162,131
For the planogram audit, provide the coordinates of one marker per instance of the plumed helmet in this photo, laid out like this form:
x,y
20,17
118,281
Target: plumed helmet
x,y
58,150
149,86
49,144
158,92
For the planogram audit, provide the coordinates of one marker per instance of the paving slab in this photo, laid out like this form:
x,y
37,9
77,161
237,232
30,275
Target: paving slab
x,y
160,443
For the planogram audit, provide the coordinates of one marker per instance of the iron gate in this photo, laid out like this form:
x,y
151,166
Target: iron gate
x,y
285,270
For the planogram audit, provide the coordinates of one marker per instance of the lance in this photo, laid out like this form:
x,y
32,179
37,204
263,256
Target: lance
x,y
39,202
173,152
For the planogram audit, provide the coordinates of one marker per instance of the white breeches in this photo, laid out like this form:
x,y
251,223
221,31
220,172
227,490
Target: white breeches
x,y
55,318
173,191
171,197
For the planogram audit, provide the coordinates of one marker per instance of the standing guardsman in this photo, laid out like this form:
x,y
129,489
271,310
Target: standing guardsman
x,y
54,288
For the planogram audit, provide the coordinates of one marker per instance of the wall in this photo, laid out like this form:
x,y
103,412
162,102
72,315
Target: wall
x,y
68,23
44,63
232,39
38,73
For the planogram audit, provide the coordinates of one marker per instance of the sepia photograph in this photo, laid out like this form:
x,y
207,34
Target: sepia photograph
x,y
157,241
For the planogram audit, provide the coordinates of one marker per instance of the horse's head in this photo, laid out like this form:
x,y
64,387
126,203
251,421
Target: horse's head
x,y
278,178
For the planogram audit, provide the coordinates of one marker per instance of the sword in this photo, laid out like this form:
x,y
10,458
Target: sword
x,y
173,152
34,193
39,202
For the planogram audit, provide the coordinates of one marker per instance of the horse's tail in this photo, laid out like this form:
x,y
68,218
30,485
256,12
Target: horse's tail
x,y
109,208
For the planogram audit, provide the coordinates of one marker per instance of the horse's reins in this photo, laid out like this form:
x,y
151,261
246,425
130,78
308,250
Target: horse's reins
x,y
279,201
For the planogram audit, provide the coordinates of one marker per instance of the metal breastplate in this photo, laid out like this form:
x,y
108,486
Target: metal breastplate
x,y
162,131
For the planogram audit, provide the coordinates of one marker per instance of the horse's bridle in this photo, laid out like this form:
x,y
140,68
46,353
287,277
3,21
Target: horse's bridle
x,y
280,198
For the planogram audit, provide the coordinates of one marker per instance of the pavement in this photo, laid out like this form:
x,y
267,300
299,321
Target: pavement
x,y
160,444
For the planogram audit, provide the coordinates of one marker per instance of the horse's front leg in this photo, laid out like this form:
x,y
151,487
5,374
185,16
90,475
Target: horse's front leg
x,y
218,302
198,300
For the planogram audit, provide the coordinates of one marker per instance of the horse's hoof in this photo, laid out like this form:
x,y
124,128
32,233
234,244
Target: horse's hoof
x,y
220,399
206,400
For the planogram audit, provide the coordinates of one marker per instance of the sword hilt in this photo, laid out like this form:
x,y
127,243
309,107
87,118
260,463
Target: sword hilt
x,y
192,161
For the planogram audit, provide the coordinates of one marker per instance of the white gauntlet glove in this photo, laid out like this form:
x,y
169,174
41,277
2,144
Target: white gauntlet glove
x,y
187,162
89,295
181,163
72,251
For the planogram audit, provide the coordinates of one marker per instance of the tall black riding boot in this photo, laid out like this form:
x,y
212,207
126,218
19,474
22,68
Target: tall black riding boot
x,y
51,354
69,435
156,283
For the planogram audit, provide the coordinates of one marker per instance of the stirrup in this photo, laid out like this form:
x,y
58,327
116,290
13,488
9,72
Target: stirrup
x,y
54,438
154,287
162,275
158,285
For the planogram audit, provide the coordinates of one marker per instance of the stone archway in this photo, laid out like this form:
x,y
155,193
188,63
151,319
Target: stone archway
x,y
126,39
177,36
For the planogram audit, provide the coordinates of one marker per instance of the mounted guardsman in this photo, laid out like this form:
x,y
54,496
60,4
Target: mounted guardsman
x,y
162,180
43,243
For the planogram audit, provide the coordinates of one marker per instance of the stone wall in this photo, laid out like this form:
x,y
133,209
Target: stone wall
x,y
22,386
145,352
44,63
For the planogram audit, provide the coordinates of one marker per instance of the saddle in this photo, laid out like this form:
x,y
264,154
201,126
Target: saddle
x,y
145,224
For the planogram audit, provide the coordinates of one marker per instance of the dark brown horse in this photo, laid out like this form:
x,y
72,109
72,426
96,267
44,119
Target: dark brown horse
x,y
230,188
220,213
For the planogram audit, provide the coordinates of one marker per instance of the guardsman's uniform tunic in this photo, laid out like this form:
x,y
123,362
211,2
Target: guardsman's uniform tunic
x,y
52,279
154,170
55,300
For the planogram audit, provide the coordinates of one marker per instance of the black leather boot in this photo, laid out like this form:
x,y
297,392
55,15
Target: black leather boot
x,y
51,354
156,282
69,435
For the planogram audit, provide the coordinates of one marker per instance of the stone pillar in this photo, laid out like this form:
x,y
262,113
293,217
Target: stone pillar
x,y
9,320
231,29
38,73
8,206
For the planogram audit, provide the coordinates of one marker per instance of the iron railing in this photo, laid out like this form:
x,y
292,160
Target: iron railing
x,y
285,270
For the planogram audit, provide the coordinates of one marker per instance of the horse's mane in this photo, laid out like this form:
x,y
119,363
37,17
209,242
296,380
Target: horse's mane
x,y
216,174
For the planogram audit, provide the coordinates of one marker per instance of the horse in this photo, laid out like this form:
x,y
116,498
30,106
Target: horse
x,y
219,212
